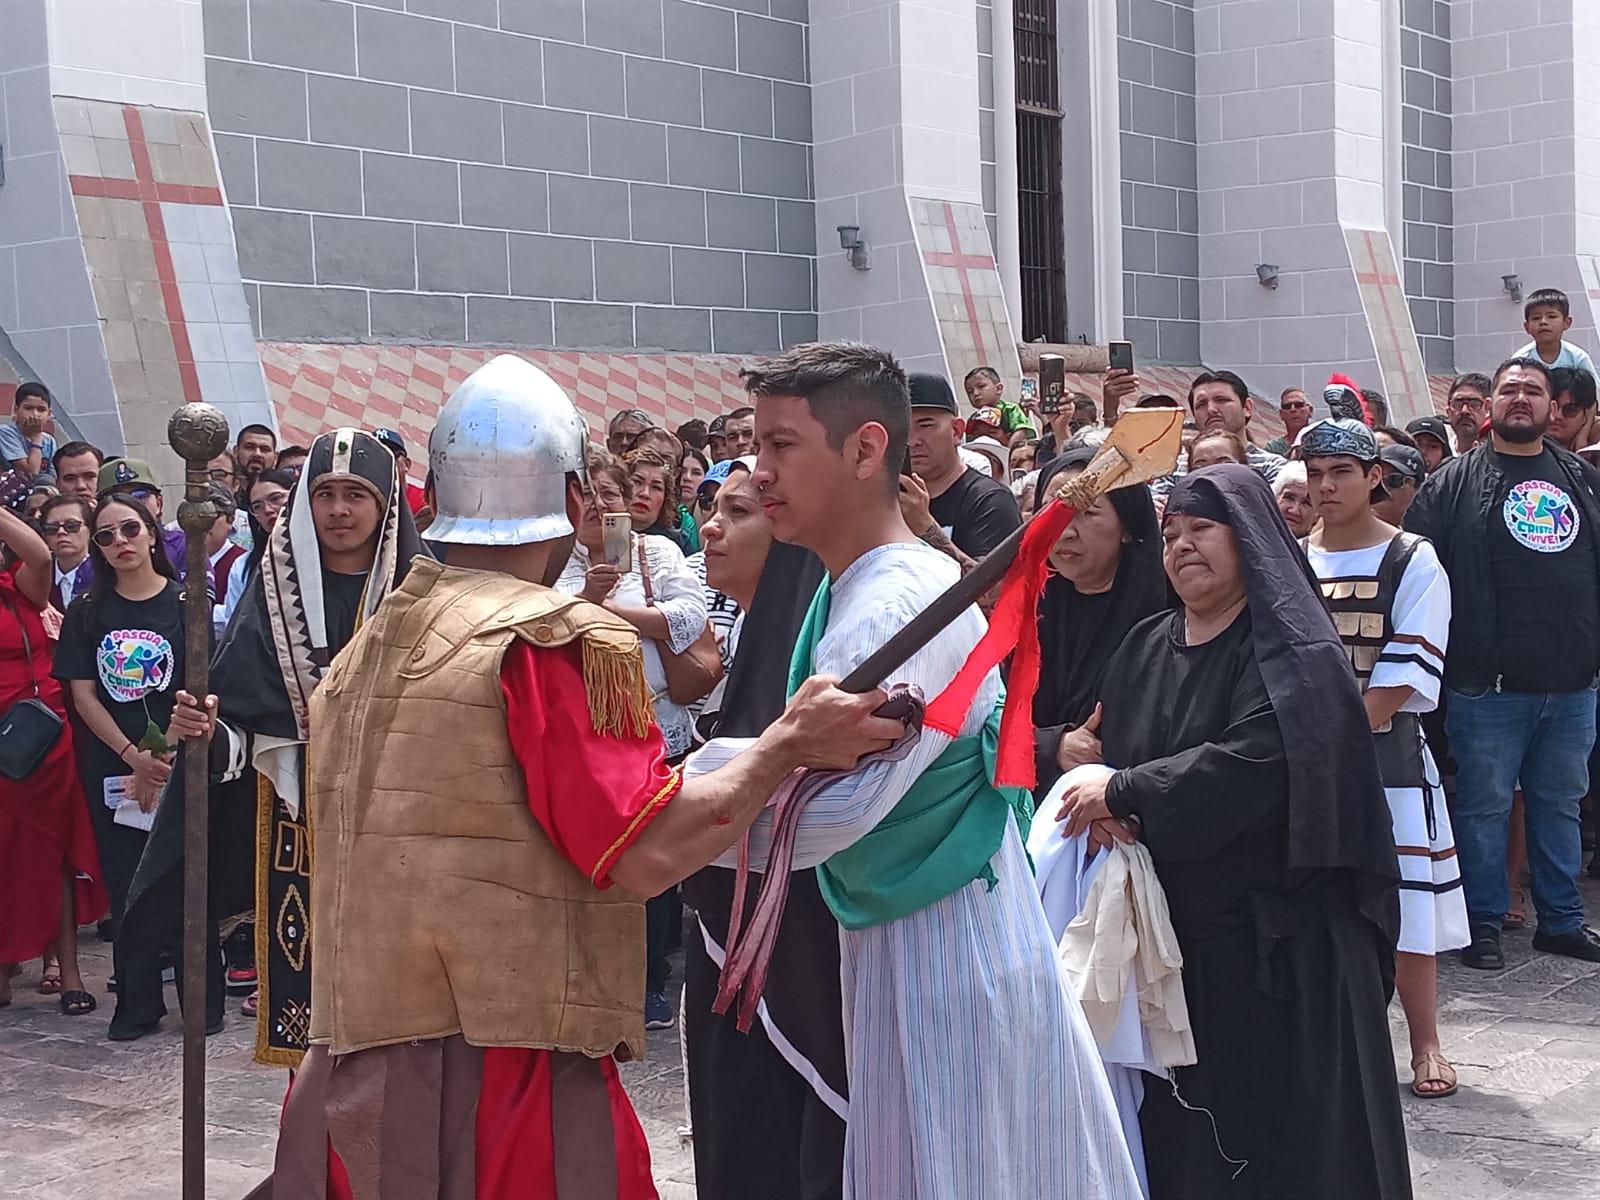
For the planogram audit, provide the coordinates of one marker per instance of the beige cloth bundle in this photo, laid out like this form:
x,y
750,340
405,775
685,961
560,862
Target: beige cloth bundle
x,y
1125,926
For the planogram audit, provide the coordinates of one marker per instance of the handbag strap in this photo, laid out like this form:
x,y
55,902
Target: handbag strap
x,y
27,643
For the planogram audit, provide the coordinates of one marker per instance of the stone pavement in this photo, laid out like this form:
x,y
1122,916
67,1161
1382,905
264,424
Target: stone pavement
x,y
84,1119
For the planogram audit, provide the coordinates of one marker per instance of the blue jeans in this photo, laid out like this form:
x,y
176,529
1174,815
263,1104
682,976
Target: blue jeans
x,y
1543,740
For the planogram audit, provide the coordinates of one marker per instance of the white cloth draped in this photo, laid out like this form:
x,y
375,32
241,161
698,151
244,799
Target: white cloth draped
x,y
973,1075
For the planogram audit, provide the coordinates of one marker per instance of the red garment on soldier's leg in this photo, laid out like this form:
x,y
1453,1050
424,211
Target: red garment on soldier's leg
x,y
516,1153
338,1177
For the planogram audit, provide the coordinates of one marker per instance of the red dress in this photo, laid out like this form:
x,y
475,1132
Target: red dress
x,y
44,824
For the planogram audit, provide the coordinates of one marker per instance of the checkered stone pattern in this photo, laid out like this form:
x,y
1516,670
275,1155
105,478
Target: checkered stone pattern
x,y
163,268
317,386
963,281
1383,300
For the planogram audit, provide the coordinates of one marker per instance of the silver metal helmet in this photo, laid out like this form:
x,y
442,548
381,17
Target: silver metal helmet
x,y
500,454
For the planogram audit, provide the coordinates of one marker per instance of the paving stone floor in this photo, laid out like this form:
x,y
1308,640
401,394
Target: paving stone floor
x,y
85,1119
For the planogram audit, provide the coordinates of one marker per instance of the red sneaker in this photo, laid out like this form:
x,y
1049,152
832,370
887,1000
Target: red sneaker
x,y
241,979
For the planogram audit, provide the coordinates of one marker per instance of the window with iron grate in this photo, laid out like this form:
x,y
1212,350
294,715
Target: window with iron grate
x,y
1039,199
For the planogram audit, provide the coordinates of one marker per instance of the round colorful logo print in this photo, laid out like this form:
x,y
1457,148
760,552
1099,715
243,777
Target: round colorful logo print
x,y
1541,516
133,663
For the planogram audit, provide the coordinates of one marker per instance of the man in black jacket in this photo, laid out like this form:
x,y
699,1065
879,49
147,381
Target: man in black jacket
x,y
1516,523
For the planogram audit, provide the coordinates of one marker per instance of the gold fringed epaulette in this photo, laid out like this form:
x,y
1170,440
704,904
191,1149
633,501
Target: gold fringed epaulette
x,y
613,676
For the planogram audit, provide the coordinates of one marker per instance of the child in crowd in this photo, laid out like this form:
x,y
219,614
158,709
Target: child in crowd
x,y
24,444
1546,317
985,389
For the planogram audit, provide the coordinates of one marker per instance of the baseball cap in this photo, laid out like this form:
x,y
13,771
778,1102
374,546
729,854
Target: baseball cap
x,y
718,427
996,450
392,439
932,391
126,471
1435,428
1405,460
988,417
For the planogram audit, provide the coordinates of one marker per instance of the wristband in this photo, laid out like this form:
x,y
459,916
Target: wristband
x,y
124,750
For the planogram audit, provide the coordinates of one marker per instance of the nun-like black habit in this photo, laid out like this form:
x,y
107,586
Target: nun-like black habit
x,y
1249,765
1079,632
768,1105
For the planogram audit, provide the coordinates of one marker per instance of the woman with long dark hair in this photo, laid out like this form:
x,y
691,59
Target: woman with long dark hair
x,y
266,497
1106,577
121,654
653,494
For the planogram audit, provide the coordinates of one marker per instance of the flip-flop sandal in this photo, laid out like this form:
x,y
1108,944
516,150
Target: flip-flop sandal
x,y
77,1004
251,1004
50,985
1433,1067
1517,916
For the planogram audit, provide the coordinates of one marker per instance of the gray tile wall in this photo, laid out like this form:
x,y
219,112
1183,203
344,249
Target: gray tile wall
x,y
1428,254
1160,217
598,174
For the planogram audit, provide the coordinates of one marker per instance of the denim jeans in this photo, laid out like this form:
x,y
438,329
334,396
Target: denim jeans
x,y
1542,740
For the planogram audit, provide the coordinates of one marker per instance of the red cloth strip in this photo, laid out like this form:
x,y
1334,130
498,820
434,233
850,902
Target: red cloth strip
x,y
1014,631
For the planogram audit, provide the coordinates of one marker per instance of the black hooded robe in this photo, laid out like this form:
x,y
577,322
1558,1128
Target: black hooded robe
x,y
761,1127
1278,864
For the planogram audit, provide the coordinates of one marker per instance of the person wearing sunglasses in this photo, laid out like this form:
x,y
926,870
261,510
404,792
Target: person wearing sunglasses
x,y
132,479
1572,412
1404,471
1295,410
65,522
121,654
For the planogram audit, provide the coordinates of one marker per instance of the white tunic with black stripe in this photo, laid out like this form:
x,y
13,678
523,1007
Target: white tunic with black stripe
x,y
1433,911
973,1074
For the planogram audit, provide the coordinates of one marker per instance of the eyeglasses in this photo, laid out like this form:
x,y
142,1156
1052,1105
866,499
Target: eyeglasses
x,y
218,475
1294,406
1570,409
122,531
610,498
1463,402
268,502
71,525
1394,481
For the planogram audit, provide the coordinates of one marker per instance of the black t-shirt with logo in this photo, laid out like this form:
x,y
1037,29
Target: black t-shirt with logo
x,y
133,650
977,512
1542,565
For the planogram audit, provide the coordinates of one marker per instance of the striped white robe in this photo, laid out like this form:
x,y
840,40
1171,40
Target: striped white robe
x,y
973,1075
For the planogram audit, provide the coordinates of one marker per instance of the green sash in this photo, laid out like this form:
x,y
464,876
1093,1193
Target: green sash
x,y
937,839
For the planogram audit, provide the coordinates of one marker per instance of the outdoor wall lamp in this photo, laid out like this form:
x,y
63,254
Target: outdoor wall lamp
x,y
860,253
1267,275
1513,287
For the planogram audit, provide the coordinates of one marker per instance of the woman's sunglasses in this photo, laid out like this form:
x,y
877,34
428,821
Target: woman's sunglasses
x,y
51,528
125,531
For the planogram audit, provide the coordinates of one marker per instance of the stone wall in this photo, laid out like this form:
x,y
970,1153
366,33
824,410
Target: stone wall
x,y
1429,253
594,173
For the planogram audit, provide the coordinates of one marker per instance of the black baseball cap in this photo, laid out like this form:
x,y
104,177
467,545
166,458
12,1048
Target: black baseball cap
x,y
1435,428
718,427
932,391
392,439
1405,460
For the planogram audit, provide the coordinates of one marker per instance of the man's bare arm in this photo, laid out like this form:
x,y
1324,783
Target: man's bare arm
x,y
822,727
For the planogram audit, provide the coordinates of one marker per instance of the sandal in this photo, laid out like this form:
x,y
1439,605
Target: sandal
x,y
250,1005
1433,1067
1517,916
77,1004
50,984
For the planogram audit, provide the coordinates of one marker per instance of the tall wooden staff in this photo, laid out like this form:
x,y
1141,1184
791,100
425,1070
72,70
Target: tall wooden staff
x,y
198,432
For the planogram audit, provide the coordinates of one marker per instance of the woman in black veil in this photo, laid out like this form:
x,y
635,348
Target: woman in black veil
x,y
1235,746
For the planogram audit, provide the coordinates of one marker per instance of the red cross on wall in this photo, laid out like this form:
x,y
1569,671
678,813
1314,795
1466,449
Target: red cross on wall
x,y
144,188
962,261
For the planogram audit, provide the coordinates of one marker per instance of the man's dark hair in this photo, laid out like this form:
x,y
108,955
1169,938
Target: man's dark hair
x,y
77,502
988,373
33,389
293,452
72,450
255,429
1399,435
1377,406
1240,388
1575,382
1476,380
694,434
1529,363
740,414
1547,298
845,385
